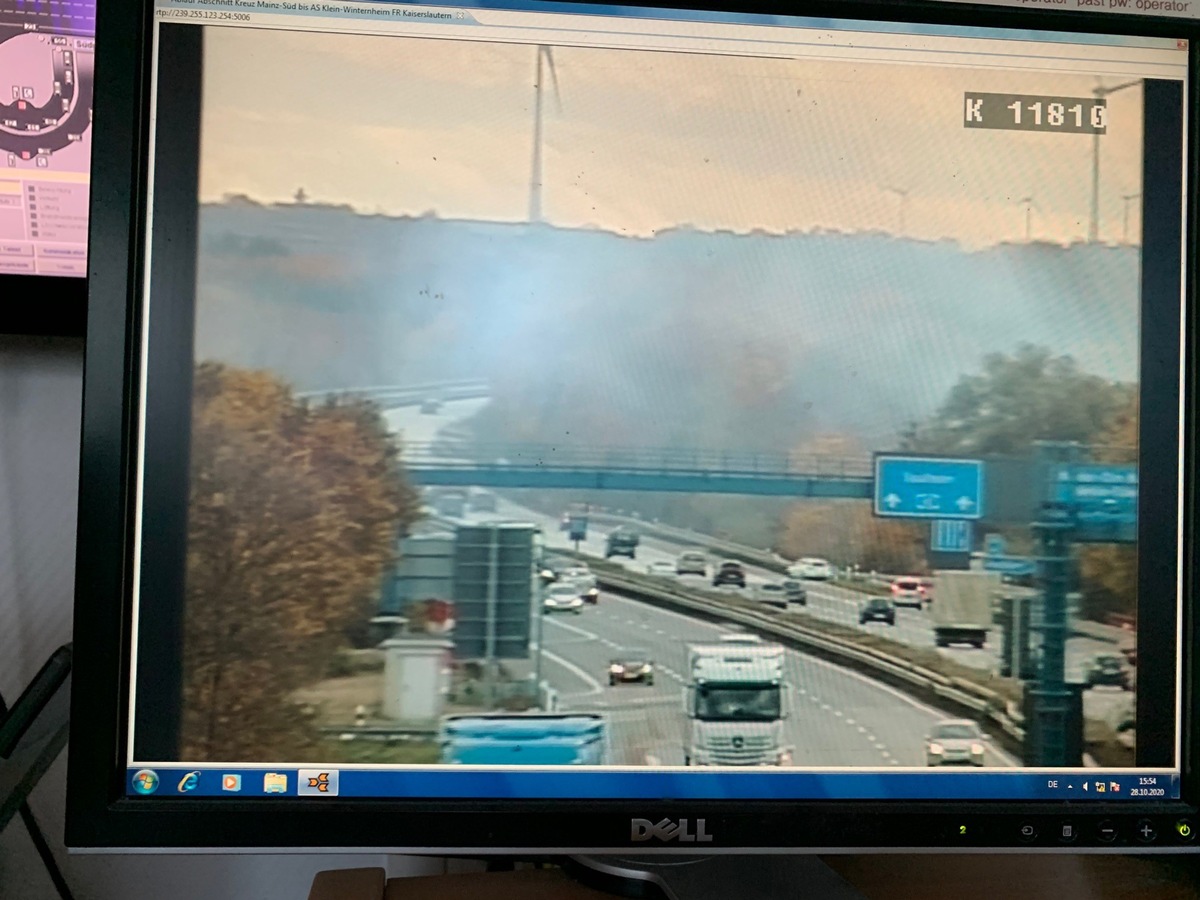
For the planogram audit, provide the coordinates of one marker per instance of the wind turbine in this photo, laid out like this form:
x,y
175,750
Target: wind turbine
x,y
902,193
1029,205
535,177
1126,199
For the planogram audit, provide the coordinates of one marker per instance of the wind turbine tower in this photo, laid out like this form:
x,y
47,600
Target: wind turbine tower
x,y
535,177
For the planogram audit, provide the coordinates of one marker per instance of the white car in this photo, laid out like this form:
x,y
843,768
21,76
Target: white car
x,y
955,742
771,594
812,568
691,562
563,598
661,568
584,582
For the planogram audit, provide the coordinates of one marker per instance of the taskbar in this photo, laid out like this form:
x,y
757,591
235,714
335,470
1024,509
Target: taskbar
x,y
448,782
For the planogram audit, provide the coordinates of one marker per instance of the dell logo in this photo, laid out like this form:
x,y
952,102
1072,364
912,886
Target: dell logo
x,y
666,830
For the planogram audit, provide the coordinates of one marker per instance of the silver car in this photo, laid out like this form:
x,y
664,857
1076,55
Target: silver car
x,y
563,598
955,742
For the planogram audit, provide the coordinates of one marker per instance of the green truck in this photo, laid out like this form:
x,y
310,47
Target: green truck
x,y
621,542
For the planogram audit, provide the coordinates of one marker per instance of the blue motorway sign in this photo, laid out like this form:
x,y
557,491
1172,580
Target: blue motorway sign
x,y
994,544
1009,565
1097,492
921,487
950,536
577,528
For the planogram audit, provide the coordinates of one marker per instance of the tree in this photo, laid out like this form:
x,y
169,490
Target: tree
x,y
1029,396
847,534
294,514
1108,572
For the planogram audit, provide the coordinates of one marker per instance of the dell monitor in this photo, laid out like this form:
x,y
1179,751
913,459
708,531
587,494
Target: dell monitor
x,y
46,62
526,426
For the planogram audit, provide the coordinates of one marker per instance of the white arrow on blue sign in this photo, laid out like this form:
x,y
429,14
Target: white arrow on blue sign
x,y
919,487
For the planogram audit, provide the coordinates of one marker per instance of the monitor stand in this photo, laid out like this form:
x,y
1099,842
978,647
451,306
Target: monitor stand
x,y
766,877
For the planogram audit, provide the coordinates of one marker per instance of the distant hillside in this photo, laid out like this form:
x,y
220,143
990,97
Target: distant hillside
x,y
690,338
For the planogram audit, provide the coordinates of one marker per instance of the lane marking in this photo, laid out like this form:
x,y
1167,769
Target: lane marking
x,y
871,683
594,686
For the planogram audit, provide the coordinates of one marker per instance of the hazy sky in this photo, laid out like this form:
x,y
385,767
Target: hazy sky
x,y
648,140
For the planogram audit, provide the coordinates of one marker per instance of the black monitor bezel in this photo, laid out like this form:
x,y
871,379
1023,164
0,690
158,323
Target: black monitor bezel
x,y
100,815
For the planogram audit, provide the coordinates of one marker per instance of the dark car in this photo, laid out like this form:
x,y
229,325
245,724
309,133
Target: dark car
x,y
796,591
1107,669
877,609
1129,651
729,572
631,665
621,542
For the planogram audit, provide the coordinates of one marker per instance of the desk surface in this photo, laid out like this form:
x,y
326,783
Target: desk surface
x,y
882,877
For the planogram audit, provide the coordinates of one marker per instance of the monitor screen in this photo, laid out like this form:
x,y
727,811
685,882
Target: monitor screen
x,y
549,402
46,53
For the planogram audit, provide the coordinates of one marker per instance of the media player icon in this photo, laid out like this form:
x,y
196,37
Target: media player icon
x,y
317,783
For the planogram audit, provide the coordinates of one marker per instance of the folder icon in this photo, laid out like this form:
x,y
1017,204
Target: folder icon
x,y
275,783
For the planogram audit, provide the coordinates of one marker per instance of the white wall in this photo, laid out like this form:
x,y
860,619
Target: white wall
x,y
40,395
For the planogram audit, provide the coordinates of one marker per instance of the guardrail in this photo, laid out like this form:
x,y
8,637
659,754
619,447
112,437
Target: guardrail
x,y
764,559
772,562
957,695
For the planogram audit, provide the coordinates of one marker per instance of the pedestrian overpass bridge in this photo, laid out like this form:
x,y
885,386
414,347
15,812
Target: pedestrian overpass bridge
x,y
452,464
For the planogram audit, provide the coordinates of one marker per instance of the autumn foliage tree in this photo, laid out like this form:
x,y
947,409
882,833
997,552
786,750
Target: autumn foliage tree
x,y
1108,572
293,517
847,534
1030,395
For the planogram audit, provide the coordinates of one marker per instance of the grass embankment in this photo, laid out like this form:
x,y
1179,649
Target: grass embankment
x,y
412,752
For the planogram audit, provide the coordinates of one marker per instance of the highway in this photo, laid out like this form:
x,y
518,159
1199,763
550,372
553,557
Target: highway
x,y
837,717
825,601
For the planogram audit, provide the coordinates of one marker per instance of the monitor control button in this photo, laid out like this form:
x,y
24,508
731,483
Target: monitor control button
x,y
1068,832
1146,832
1106,831
1185,830
1027,832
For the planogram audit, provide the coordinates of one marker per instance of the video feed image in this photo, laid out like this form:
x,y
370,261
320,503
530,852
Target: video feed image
x,y
598,407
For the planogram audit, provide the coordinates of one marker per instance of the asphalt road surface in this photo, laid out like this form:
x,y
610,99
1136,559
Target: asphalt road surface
x,y
836,717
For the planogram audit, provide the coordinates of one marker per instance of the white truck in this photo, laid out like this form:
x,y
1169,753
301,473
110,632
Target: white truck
x,y
737,701
962,607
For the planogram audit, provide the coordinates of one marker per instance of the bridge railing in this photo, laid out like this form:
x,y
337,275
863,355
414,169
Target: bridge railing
x,y
446,454
407,394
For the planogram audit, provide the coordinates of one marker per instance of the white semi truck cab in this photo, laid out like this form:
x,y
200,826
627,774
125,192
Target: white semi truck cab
x,y
737,701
